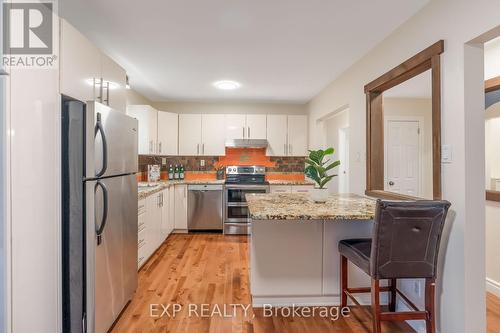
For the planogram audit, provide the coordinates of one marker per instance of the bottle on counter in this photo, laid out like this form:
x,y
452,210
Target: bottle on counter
x,y
176,172
181,172
170,172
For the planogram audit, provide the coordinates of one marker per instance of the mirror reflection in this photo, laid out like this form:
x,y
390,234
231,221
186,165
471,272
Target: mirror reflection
x,y
408,137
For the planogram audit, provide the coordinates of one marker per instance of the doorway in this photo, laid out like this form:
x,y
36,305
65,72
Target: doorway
x,y
403,160
344,158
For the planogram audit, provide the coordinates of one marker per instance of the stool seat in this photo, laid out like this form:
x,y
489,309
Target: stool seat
x,y
357,251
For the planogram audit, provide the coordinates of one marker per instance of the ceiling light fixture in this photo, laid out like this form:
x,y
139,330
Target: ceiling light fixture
x,y
227,85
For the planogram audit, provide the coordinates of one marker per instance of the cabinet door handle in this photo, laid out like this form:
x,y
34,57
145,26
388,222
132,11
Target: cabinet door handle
x,y
203,149
198,149
248,131
101,90
284,149
151,146
106,101
243,128
290,149
159,147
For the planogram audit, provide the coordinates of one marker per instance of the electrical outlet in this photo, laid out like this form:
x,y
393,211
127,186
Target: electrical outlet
x,y
202,163
164,161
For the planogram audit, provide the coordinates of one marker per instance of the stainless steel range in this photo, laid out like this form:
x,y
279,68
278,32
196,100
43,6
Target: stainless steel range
x,y
241,180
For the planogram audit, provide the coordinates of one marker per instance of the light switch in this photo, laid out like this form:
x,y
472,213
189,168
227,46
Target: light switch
x,y
446,154
164,161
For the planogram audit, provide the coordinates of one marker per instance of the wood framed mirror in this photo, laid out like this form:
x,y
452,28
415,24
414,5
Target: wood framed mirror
x,y
403,129
492,128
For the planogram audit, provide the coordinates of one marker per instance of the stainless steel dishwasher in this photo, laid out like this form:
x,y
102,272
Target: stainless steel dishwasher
x,y
205,207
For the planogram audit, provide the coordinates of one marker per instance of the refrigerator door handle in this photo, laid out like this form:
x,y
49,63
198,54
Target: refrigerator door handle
x,y
100,128
100,229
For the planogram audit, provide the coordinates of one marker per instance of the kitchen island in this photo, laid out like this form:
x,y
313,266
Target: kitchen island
x,y
294,255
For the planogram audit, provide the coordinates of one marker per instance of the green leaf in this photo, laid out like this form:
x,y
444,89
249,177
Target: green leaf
x,y
312,173
316,155
329,151
326,180
333,165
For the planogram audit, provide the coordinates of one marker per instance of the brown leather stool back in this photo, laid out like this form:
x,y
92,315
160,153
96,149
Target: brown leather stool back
x,y
406,239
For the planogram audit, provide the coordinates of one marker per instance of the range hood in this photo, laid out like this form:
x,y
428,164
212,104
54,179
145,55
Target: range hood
x,y
246,143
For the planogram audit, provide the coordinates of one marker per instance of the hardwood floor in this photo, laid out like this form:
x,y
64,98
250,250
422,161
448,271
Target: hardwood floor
x,y
213,269
493,313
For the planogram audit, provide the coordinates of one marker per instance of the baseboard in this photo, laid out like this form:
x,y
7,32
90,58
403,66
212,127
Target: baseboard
x,y
493,287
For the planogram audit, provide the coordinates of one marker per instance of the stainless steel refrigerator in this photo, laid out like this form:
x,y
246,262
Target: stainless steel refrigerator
x,y
99,202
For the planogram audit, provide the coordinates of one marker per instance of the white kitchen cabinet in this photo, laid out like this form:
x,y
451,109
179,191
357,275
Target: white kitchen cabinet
x,y
302,188
256,126
83,66
235,126
190,134
280,189
153,223
276,135
148,128
181,207
115,80
168,131
165,215
297,135
142,233
80,64
171,207
212,138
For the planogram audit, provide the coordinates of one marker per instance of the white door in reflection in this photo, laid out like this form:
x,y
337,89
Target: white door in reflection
x,y
403,156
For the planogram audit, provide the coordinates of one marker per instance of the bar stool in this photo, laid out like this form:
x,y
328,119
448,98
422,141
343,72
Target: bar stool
x,y
404,245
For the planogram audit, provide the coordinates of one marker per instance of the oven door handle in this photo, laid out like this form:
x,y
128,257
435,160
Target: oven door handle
x,y
247,187
237,204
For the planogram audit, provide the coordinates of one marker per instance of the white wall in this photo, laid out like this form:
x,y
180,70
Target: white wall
x,y
331,127
492,128
231,108
461,299
417,107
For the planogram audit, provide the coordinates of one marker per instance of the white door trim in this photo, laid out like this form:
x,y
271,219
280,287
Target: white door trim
x,y
421,123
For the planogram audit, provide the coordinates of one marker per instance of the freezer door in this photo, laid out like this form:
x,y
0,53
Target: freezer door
x,y
111,142
115,246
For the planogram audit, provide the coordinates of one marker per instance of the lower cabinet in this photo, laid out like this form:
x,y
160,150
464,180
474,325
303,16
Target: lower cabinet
x,y
291,188
159,214
181,207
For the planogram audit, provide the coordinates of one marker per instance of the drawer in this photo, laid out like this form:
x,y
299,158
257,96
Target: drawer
x,y
141,208
280,189
302,188
141,240
141,223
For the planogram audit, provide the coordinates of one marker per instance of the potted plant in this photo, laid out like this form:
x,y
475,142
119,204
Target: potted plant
x,y
319,170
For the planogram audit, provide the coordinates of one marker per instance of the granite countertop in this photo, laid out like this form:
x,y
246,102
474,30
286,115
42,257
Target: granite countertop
x,y
300,206
163,184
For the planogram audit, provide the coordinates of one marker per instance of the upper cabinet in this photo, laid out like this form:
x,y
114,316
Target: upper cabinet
x,y
212,138
86,73
168,132
287,135
148,127
80,64
235,126
190,134
201,134
250,126
114,84
276,134
158,130
297,135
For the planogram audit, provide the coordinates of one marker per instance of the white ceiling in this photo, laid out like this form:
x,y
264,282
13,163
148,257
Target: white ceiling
x,y
279,50
419,86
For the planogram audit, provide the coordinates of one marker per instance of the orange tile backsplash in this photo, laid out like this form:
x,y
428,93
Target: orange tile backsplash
x,y
245,157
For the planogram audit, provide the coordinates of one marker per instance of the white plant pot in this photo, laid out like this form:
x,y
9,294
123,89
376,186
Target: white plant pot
x,y
319,194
